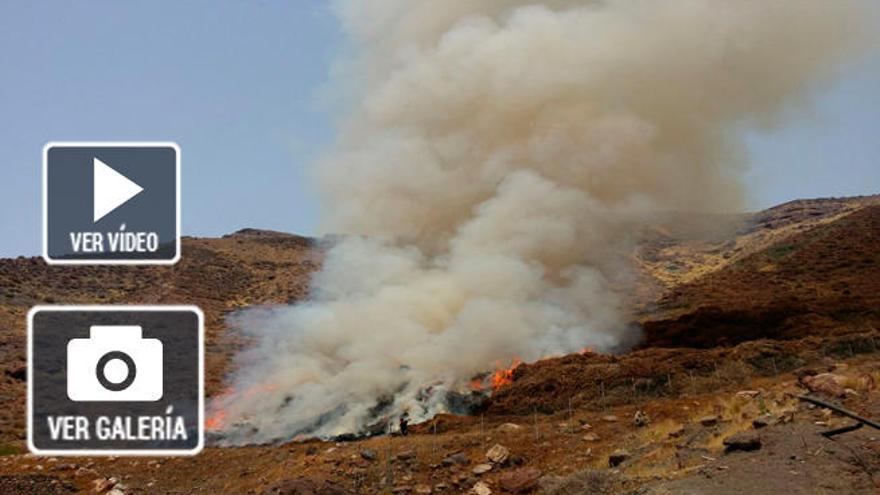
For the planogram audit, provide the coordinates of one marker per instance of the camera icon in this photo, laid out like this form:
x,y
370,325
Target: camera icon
x,y
114,364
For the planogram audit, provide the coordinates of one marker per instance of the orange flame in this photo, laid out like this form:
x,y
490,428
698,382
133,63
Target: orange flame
x,y
220,417
217,420
504,376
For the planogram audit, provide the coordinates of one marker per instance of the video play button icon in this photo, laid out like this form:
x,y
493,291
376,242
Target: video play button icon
x,y
111,189
111,203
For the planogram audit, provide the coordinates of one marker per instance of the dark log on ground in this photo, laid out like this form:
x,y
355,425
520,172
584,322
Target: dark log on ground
x,y
840,409
842,429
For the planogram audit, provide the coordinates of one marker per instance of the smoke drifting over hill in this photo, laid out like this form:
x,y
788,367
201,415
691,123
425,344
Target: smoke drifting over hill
x,y
486,177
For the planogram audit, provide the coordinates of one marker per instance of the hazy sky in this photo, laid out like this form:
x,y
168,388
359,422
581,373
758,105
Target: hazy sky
x,y
238,85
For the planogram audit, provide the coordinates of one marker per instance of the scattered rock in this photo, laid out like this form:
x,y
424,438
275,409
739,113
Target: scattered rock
x,y
498,454
423,490
401,489
641,419
825,383
586,426
481,488
481,469
745,441
618,457
509,428
709,420
521,480
677,432
786,416
610,418
457,458
762,421
369,454
115,491
312,450
406,455
590,437
102,485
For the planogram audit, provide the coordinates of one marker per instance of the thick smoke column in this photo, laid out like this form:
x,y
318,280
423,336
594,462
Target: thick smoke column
x,y
488,178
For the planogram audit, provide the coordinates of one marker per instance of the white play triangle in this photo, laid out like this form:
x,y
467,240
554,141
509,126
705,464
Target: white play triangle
x,y
112,189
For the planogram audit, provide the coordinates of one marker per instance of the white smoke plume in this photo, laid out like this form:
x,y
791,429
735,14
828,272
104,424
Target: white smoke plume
x,y
487,179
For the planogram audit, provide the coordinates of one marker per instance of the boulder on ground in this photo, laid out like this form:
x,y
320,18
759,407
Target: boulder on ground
x,y
481,469
481,488
457,458
590,437
709,420
763,420
826,384
369,454
745,441
509,428
498,454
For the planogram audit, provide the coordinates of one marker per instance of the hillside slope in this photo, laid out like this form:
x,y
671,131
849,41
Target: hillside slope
x,y
218,275
824,280
741,302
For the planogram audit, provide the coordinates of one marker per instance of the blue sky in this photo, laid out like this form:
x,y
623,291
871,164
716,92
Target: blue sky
x,y
238,85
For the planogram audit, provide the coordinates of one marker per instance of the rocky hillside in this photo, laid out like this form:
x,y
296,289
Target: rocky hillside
x,y
736,311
